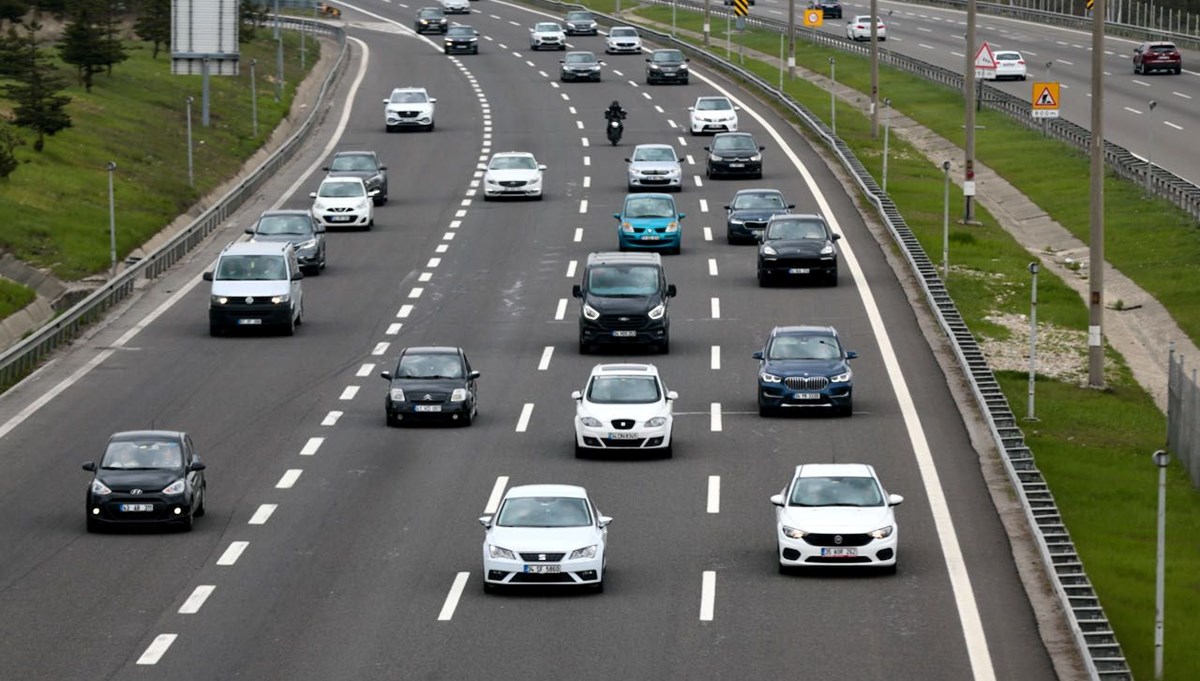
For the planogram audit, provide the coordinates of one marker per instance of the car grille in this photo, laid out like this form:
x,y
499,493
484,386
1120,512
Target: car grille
x,y
622,424
417,396
753,224
806,382
838,560
408,114
535,557
620,44
801,261
624,444
623,322
830,539
512,183
655,172
340,209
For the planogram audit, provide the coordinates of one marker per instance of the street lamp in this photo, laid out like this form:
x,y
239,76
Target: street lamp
x,y
1033,270
191,173
254,96
1150,150
672,18
946,223
887,119
832,95
1161,459
112,218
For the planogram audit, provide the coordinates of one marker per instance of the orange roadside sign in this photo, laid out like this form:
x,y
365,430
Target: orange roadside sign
x,y
1045,100
814,18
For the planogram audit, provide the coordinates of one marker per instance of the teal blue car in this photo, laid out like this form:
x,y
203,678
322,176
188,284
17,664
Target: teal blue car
x,y
649,222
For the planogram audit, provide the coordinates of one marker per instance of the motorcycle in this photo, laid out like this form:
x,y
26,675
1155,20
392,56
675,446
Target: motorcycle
x,y
615,128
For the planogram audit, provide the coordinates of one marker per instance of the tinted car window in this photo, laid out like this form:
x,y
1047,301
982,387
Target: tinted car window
x,y
654,154
340,190
796,229
713,105
623,33
461,31
623,281
804,347
579,16
429,13
429,366
546,27
544,512
734,143
409,98
284,224
623,390
353,162
579,58
251,268
512,163
1165,48
757,200
667,56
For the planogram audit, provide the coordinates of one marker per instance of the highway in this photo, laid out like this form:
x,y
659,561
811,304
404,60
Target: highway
x,y
337,548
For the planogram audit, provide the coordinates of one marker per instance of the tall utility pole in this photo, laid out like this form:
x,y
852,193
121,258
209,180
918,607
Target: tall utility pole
x,y
791,38
969,117
874,69
1096,245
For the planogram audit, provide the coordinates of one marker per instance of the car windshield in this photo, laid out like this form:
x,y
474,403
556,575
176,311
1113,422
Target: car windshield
x,y
544,512
623,390
429,12
354,162
1008,56
836,491
439,365
512,163
649,207
546,27
714,104
734,143
758,200
654,154
142,454
623,32
1166,49
251,268
580,58
616,281
790,230
299,225
667,56
341,190
461,31
579,16
409,98
804,347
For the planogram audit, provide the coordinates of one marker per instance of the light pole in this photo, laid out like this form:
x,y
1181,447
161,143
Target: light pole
x,y
887,119
1096,207
969,101
1150,148
191,173
707,25
832,95
1033,270
791,38
781,62
672,18
1161,459
254,96
874,69
946,223
112,218
1046,121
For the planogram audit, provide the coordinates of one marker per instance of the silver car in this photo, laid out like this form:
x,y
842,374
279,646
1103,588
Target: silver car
x,y
623,39
456,7
655,166
547,34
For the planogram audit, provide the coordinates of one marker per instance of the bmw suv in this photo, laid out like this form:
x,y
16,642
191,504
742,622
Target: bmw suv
x,y
624,300
804,366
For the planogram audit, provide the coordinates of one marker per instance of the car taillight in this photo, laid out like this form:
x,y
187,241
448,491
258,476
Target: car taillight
x,y
1021,62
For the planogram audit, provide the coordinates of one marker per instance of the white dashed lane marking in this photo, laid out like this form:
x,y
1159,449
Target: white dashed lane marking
x,y
456,590
715,361
561,311
194,602
158,647
311,447
349,392
583,204
714,417
263,514
708,233
523,420
393,329
364,370
708,593
290,476
716,308
712,267
232,553
571,268
578,234
703,206
714,494
332,417
405,310
547,353
380,348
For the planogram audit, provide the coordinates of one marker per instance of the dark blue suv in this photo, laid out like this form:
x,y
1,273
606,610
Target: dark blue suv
x,y
804,366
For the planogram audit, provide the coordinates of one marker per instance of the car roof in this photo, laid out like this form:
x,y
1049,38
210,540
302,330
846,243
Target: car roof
x,y
625,368
500,154
546,490
648,195
822,470
408,88
781,217
733,134
359,152
256,248
127,435
342,178
587,52
610,257
654,146
802,330
759,190
285,211
712,97
432,350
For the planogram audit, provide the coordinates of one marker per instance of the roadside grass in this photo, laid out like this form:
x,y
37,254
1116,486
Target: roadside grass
x,y
1093,446
57,201
14,297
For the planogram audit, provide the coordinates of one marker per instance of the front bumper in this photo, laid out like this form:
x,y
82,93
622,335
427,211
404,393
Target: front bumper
x,y
713,127
465,47
427,411
602,438
825,267
779,396
241,315
166,509
670,182
623,48
432,27
802,553
609,330
748,230
578,572
521,190
547,43
567,74
735,167
580,29
674,75
414,120
649,240
348,219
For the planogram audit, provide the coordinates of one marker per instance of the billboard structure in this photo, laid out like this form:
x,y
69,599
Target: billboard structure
x,y
204,33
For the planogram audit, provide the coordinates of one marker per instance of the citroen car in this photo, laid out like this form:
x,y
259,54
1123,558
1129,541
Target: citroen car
x,y
622,40
654,166
580,23
747,214
146,477
548,35
805,366
431,384
581,65
734,153
623,407
298,228
361,164
713,114
408,107
459,39
796,246
624,299
430,20
344,202
514,174
545,534
859,28
835,514
666,66
649,221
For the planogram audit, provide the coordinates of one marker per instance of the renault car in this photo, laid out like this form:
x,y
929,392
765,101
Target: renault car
x,y
649,221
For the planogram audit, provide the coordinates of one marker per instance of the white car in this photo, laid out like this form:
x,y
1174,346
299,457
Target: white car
x,y
622,39
859,28
343,202
655,166
408,107
835,514
713,114
547,34
624,406
1009,64
456,7
513,173
545,534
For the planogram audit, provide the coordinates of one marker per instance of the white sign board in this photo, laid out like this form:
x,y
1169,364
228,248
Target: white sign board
x,y
204,30
985,62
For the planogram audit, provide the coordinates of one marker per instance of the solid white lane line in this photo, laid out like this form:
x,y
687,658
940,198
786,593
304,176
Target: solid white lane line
x,y
561,311
546,354
290,476
393,329
583,205
263,514
703,206
578,234
497,494
571,269
714,417
714,494
712,267
193,603
716,308
1169,123
349,392
232,553
708,593
523,420
405,310
715,362
708,233
365,370
380,348
456,590
158,647
331,418
311,447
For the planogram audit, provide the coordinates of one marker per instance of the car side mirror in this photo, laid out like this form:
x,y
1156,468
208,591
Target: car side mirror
x,y
761,148
791,206
728,208
387,101
777,499
386,375
473,375
576,291
761,236
837,237
672,395
486,521
671,291
895,500
312,195
682,216
576,395
432,100
249,230
850,354
757,355
541,166
647,61
562,61
297,275
373,193
707,149
325,168
604,521
691,108
207,276
617,216
89,466
737,108
319,229
628,161
197,466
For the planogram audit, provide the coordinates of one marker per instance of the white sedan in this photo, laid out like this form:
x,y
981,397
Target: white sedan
x,y
713,114
835,514
343,202
1009,64
547,34
623,39
859,28
545,534
624,407
513,173
456,7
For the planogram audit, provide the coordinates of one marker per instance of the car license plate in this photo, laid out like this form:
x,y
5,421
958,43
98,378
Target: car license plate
x,y
340,218
737,165
807,396
839,553
622,436
543,569
137,508
651,237
624,334
798,270
250,322
427,407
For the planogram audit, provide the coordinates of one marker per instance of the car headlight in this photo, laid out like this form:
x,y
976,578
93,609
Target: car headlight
x,y
590,312
657,422
424,21
627,226
396,394
279,300
311,243
793,533
100,488
317,205
683,67
591,422
770,378
459,395
883,532
672,226
768,250
827,249
219,300
735,221
500,552
178,486
655,67
756,158
714,158
585,552
842,378
658,311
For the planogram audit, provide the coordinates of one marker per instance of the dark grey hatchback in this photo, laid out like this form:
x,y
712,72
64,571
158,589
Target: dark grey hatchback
x,y
298,228
433,384
146,477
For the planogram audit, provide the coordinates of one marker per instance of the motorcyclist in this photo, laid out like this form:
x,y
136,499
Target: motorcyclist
x,y
614,112
613,116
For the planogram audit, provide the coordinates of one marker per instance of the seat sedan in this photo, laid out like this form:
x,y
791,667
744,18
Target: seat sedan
x,y
545,534
461,39
859,28
1009,64
430,20
432,384
298,228
734,153
513,173
548,35
343,202
654,166
581,65
835,514
649,221
798,247
624,406
361,164
146,477
623,40
747,214
805,366
713,114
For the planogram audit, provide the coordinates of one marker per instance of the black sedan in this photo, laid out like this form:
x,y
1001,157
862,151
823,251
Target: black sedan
x,y
300,229
798,247
664,66
461,39
830,9
734,153
430,20
146,477
431,383
364,165
748,212
581,65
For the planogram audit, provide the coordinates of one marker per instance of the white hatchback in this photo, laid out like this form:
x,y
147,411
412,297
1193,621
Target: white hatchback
x,y
835,514
624,407
344,202
1009,64
713,114
545,534
513,173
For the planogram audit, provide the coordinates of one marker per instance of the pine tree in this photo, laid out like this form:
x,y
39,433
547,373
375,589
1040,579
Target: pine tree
x,y
83,44
154,23
114,51
8,142
13,10
10,50
39,104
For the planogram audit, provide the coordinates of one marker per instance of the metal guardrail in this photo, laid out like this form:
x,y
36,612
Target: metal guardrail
x,y
1093,634
23,358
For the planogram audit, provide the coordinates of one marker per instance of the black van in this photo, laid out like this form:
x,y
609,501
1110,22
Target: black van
x,y
624,300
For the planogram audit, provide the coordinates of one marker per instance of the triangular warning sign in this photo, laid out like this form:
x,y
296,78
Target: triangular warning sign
x,y
984,59
1046,99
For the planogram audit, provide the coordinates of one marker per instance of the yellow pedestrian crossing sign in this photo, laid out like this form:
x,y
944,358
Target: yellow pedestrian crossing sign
x,y
814,18
741,7
1045,100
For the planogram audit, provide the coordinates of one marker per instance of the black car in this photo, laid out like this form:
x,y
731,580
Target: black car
x,y
798,247
461,39
579,66
146,477
734,153
666,66
580,23
431,384
364,165
430,20
831,9
805,366
624,300
748,212
297,227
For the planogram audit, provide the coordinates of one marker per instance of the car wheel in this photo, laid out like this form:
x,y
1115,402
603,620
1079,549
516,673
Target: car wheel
x,y
538,197
584,348
447,51
215,330
1178,70
664,348
891,569
203,507
846,410
668,451
683,82
599,586
764,410
300,317
289,328
708,172
430,128
831,279
314,271
764,280
489,588
580,452
187,523
758,175
786,569
468,419
676,251
94,525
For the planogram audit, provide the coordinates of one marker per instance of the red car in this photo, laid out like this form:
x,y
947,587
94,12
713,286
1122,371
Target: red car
x,y
1149,57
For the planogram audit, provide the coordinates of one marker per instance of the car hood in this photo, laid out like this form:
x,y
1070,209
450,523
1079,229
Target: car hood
x,y
242,288
643,166
837,519
340,201
805,367
152,481
649,223
735,153
632,306
711,114
543,539
638,412
756,214
797,246
428,385
549,34
411,106
508,174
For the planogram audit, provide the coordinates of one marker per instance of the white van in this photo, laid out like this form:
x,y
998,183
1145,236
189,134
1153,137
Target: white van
x,y
255,284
